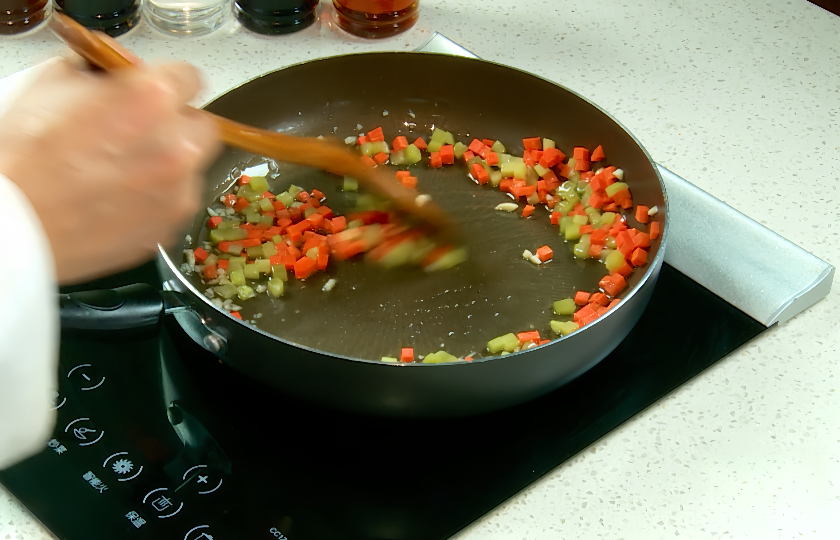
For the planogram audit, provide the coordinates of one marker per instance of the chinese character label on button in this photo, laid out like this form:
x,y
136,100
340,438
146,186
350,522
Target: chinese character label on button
x,y
94,482
135,519
57,446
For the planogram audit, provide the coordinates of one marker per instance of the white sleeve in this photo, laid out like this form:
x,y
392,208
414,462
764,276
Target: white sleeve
x,y
29,329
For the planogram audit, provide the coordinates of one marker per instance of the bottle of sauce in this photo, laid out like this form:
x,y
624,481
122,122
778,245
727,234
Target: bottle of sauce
x,y
274,17
18,16
113,17
376,18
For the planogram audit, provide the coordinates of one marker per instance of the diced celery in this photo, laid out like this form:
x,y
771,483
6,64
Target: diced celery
x,y
564,206
533,198
237,277
251,271
449,139
267,221
580,220
379,147
398,255
254,252
312,253
566,187
607,218
286,198
225,291
460,148
548,143
278,271
572,231
235,249
294,190
277,239
263,266
448,260
412,154
572,162
249,194
398,158
565,307
350,184
531,176
507,342
612,189
438,135
565,221
581,250
227,224
245,292
227,235
498,147
259,184
238,260
615,260
595,219
309,211
389,359
275,288
366,149
610,242
266,206
542,171
564,328
252,217
503,158
520,171
211,259
495,178
269,250
439,358
235,266
434,146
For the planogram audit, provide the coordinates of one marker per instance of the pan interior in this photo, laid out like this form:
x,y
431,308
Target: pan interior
x,y
373,312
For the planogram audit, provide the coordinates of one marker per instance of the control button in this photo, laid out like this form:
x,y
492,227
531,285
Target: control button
x,y
204,482
122,466
58,401
86,377
84,431
200,532
162,503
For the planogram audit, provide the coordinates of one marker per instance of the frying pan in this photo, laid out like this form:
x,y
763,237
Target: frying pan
x,y
325,347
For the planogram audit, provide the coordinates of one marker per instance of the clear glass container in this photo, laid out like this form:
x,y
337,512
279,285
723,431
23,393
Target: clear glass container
x,y
17,16
275,17
189,18
114,17
376,18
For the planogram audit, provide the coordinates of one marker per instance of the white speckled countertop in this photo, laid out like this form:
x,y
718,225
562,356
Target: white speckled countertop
x,y
740,98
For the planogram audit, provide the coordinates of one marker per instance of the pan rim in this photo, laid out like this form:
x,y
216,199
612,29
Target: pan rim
x,y
653,265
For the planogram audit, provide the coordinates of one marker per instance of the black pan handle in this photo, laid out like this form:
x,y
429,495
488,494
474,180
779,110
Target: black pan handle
x,y
132,306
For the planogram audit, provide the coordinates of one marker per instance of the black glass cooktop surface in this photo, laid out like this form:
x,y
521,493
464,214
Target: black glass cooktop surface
x,y
157,439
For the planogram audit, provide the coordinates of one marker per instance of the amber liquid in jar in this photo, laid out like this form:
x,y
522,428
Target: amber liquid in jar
x,y
18,16
114,17
376,18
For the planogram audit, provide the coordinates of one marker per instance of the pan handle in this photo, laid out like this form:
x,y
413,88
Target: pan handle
x,y
124,308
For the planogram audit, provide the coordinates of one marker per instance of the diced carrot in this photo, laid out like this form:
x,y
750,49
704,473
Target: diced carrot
x,y
525,337
368,161
400,174
282,223
214,221
641,240
325,211
339,223
492,158
536,155
581,298
244,179
613,284
241,203
565,170
484,152
294,252
555,217
223,264
598,237
544,341
447,154
545,253
600,310
625,269
407,355
362,140
581,165
210,272
479,173
236,314
399,143
468,156
376,135
488,142
200,255
654,230
627,203
551,180
296,230
435,161
305,267
586,176
583,321
585,229
230,199
580,153
595,250
315,219
642,213
323,258
255,233
318,195
230,247
468,358
597,154
475,146
584,312
615,302
599,298
533,143
420,143
610,207
409,182
380,158
506,184
597,200
527,211
552,156
639,257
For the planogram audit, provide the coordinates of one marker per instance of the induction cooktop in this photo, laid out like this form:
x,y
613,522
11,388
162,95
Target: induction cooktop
x,y
157,438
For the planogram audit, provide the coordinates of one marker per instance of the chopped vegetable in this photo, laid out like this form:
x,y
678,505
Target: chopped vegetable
x,y
407,355
564,328
507,343
545,253
528,210
507,207
566,306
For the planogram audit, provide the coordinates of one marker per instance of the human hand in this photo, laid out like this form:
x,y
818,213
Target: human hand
x,y
111,163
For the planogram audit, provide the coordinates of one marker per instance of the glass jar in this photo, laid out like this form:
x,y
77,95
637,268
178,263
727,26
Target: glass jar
x,y
275,17
186,17
18,16
113,17
376,18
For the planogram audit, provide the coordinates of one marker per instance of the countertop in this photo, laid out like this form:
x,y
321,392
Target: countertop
x,y
740,98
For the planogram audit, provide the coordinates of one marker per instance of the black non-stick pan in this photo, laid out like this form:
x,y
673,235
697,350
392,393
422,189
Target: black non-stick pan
x,y
325,346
